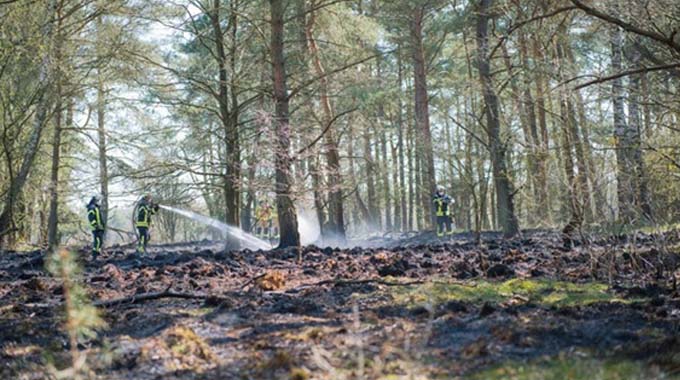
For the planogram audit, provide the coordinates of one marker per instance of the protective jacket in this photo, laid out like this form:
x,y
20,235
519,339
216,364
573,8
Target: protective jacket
x,y
94,216
264,213
441,204
144,212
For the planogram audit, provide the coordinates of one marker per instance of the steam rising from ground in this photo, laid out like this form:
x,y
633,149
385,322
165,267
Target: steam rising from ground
x,y
308,226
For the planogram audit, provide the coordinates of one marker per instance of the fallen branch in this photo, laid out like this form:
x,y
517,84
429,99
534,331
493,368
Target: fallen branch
x,y
252,280
378,281
138,298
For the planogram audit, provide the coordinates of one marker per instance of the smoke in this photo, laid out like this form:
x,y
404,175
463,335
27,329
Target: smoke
x,y
308,226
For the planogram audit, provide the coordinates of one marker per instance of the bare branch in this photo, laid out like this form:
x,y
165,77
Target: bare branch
x,y
626,73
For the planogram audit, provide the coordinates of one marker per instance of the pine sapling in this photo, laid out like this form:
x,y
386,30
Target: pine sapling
x,y
82,319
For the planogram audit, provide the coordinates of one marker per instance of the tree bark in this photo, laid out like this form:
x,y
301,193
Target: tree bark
x,y
579,131
504,203
542,156
53,218
319,204
288,224
522,108
577,192
228,116
642,197
370,182
101,152
400,145
336,210
623,141
396,223
385,182
45,74
412,177
422,111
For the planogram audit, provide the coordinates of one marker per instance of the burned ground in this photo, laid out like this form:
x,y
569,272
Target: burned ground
x,y
416,308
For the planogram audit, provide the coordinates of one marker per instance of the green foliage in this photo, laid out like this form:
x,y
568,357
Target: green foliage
x,y
81,316
81,319
542,292
573,367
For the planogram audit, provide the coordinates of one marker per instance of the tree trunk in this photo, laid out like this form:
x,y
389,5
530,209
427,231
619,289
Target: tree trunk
x,y
247,214
386,182
360,213
288,225
578,126
396,223
53,218
370,182
504,202
336,210
422,113
624,177
522,107
228,117
101,150
319,204
572,193
412,177
39,121
577,192
542,155
400,145
418,187
642,197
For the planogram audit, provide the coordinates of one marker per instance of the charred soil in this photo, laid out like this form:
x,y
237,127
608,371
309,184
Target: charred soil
x,y
416,307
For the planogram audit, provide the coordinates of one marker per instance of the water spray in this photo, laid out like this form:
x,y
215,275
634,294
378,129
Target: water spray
x,y
247,239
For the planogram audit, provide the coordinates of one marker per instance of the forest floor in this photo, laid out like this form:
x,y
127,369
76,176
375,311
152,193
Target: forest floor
x,y
419,308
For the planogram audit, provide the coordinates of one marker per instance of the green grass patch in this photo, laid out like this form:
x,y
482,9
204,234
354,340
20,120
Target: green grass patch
x,y
630,229
562,368
543,292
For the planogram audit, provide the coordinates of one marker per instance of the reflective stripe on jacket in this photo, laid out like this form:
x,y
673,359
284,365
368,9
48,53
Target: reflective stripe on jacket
x,y
144,213
94,217
442,205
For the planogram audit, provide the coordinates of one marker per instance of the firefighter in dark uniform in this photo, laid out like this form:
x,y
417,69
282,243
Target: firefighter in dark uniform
x,y
442,206
145,209
94,217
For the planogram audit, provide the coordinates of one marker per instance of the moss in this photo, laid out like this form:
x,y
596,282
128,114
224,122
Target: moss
x,y
543,292
572,368
630,229
299,374
184,342
199,312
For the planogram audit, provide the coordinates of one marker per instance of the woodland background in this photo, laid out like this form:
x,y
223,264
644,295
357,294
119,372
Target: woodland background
x,y
532,114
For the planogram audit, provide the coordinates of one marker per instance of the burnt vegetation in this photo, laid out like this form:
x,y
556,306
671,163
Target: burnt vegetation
x,y
411,308
500,179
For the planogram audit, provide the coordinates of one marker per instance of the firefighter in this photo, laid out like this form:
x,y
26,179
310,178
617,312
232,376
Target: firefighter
x,y
145,209
264,217
442,205
94,217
